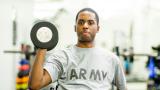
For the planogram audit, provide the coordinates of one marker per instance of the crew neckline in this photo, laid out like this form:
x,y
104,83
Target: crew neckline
x,y
84,48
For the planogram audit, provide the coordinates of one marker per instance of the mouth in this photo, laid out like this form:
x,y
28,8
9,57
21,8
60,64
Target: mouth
x,y
85,33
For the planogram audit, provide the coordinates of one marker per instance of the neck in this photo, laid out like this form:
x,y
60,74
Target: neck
x,y
85,44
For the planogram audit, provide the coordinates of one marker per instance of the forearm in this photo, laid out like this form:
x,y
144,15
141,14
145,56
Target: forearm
x,y
36,75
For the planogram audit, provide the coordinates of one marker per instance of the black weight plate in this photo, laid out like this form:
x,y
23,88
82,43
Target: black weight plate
x,y
44,45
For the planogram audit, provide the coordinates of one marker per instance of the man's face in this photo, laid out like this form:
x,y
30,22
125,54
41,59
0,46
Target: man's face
x,y
86,26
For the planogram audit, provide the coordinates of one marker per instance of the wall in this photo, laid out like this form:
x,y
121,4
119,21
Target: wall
x,y
9,62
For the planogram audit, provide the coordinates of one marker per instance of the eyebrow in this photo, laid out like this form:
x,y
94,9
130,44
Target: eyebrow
x,y
86,20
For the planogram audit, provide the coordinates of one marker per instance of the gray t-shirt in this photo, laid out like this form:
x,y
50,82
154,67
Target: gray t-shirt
x,y
85,69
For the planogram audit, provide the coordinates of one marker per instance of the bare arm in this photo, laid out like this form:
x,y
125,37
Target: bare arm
x,y
39,77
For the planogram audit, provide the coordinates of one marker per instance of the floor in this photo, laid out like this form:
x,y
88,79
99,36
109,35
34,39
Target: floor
x,y
137,86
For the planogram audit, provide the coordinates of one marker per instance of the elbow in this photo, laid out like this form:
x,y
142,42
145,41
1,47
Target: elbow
x,y
34,86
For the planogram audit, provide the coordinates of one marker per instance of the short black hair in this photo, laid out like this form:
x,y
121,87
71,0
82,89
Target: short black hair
x,y
90,10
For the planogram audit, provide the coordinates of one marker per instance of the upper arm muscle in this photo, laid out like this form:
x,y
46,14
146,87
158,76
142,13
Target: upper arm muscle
x,y
46,79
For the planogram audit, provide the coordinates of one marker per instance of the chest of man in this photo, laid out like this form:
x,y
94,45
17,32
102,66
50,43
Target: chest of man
x,y
89,67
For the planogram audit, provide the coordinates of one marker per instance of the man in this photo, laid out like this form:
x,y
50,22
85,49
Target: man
x,y
82,66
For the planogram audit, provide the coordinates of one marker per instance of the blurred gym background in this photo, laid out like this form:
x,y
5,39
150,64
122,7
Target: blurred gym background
x,y
129,28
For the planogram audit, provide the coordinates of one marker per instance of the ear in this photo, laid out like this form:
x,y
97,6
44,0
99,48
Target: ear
x,y
98,28
75,28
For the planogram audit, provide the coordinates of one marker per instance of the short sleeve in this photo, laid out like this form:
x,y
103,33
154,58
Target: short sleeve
x,y
54,64
119,76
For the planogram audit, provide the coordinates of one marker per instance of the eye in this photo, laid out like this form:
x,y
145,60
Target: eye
x,y
91,22
81,22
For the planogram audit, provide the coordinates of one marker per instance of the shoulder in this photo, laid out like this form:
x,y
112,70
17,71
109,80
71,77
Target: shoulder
x,y
106,52
60,52
58,56
109,55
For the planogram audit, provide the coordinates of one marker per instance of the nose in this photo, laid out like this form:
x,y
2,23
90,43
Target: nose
x,y
85,26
